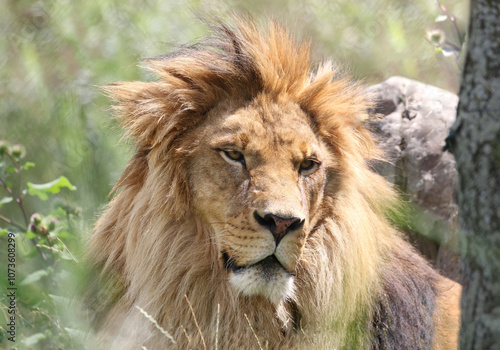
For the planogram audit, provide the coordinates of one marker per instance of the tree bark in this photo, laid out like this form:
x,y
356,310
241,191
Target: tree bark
x,y
475,142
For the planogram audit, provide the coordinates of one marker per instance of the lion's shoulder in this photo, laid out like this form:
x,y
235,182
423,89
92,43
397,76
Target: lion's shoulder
x,y
417,308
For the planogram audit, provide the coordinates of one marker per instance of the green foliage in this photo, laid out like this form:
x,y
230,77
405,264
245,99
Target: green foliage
x,y
44,190
42,264
55,55
5,200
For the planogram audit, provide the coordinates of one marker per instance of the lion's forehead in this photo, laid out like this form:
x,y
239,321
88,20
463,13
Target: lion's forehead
x,y
282,129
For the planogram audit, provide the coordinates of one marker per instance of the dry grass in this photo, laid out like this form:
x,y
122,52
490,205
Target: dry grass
x,y
258,342
153,321
196,323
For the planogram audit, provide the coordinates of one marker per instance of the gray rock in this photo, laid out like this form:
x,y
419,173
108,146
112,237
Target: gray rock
x,y
411,121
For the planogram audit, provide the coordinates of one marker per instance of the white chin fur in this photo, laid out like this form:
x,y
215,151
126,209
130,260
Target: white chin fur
x,y
250,281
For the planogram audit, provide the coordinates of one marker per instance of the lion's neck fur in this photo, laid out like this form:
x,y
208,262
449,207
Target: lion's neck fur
x,y
173,265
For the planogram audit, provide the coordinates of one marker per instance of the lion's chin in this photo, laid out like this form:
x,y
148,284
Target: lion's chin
x,y
266,278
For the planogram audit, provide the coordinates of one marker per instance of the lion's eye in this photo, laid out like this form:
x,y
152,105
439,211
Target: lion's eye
x,y
233,156
308,166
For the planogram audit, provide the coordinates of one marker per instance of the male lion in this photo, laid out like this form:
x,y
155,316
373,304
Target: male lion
x,y
249,218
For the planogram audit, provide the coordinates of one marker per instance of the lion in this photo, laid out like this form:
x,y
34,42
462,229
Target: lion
x,y
250,216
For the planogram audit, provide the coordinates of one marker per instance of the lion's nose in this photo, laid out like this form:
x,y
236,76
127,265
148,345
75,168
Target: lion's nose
x,y
278,226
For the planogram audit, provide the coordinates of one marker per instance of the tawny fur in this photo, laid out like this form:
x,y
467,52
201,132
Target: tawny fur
x,y
357,283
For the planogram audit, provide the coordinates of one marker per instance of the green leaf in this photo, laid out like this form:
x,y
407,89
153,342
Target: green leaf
x,y
31,252
28,165
5,200
43,190
63,234
10,170
30,235
33,277
33,339
3,232
58,212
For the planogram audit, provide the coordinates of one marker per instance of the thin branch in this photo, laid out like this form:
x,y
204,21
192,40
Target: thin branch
x,y
4,185
21,206
19,201
452,19
42,254
24,229
3,218
453,46
69,252
56,250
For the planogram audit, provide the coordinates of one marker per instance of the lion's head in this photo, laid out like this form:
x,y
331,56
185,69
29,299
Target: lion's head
x,y
257,178
250,195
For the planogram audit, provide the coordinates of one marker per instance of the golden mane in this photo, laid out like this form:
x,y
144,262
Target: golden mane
x,y
152,250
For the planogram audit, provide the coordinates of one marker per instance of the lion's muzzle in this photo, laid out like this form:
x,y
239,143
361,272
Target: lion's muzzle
x,y
268,271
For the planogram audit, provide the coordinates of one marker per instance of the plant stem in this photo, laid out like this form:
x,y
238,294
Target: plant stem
x,y
453,21
4,185
3,218
42,254
19,201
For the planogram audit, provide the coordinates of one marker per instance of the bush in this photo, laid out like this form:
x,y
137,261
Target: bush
x,y
39,259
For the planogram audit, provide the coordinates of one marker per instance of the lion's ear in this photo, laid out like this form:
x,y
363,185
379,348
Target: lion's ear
x,y
152,111
144,109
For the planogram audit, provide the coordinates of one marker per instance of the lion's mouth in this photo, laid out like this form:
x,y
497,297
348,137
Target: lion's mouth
x,y
267,265
267,278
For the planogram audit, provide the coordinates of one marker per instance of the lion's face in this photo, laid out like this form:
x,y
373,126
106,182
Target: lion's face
x,y
256,177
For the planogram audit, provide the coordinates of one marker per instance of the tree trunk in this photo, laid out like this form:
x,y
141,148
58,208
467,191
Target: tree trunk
x,y
475,142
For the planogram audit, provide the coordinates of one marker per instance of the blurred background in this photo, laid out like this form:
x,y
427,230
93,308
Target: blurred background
x,y
56,53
